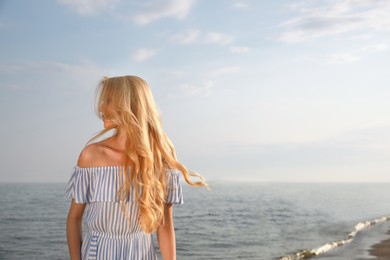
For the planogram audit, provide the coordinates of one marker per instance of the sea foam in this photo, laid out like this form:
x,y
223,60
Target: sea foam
x,y
308,253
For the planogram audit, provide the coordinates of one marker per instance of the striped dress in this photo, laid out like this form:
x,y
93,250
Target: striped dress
x,y
110,234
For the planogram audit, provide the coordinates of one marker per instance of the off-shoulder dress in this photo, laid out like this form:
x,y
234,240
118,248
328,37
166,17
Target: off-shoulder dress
x,y
110,234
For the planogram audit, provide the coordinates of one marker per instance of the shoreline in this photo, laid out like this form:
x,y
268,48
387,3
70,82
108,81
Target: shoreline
x,y
370,244
381,250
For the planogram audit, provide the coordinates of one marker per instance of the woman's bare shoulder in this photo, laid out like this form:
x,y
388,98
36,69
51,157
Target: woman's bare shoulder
x,y
90,155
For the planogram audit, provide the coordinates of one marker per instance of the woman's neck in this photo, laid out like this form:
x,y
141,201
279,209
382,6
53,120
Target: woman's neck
x,y
118,140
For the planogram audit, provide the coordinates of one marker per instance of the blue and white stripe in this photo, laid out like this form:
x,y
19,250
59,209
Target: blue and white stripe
x,y
111,234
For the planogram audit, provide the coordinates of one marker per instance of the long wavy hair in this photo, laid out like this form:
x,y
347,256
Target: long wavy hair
x,y
148,153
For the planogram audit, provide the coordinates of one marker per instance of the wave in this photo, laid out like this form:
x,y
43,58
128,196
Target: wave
x,y
309,253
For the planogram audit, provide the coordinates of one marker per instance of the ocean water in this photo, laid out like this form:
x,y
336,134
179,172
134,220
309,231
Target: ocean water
x,y
232,221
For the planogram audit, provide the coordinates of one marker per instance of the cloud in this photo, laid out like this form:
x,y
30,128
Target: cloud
x,y
236,49
240,5
342,58
360,152
374,136
10,68
208,82
178,9
375,48
143,54
364,37
187,37
9,86
333,17
205,88
218,38
223,71
357,54
197,36
49,74
88,7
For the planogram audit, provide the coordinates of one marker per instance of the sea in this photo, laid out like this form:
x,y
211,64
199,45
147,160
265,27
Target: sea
x,y
254,220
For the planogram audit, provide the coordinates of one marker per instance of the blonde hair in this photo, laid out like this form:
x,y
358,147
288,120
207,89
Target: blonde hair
x,y
148,153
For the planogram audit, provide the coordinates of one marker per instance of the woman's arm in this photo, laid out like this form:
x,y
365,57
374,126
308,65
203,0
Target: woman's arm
x,y
166,236
74,230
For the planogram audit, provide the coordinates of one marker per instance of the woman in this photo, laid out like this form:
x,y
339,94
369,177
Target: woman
x,y
126,184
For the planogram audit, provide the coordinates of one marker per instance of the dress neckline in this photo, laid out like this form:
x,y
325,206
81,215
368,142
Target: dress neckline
x,y
99,167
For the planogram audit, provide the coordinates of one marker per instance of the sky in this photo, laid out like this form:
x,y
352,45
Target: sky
x,y
248,90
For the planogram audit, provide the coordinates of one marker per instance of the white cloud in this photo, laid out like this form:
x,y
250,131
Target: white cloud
x,y
363,37
223,71
143,54
186,37
218,38
342,58
206,84
236,49
374,136
197,36
10,86
10,68
375,48
204,88
356,55
240,5
178,9
42,74
88,7
333,17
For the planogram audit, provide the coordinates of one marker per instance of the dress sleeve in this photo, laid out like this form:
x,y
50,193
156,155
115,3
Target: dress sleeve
x,y
79,186
174,188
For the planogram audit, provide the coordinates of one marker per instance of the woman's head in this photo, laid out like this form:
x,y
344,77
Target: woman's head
x,y
124,102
